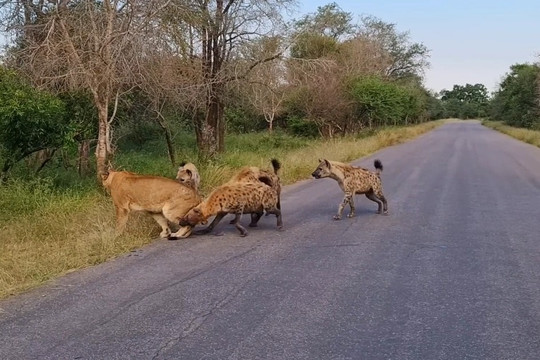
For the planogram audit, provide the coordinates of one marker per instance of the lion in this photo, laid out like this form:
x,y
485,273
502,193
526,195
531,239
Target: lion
x,y
164,199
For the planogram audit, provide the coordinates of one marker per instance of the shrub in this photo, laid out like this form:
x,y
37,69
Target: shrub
x,y
30,120
300,127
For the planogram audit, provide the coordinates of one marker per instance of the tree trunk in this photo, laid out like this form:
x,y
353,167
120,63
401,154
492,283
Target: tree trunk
x,y
270,120
45,156
102,153
168,138
83,163
211,131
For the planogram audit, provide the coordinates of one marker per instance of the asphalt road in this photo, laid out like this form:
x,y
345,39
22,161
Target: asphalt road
x,y
452,273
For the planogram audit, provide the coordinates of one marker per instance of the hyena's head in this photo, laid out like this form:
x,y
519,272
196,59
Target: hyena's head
x,y
323,170
188,175
193,217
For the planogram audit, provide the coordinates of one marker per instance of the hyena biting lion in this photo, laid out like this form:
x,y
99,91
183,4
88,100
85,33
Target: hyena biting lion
x,y
234,198
354,180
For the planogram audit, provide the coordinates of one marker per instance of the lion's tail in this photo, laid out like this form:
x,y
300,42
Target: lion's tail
x,y
378,167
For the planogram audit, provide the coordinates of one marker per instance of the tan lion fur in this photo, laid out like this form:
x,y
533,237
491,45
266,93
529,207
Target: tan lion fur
x,y
164,199
354,180
236,198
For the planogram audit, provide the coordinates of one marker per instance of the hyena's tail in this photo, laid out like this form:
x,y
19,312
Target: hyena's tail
x,y
276,165
378,167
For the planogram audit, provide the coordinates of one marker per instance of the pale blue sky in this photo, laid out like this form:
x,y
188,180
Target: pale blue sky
x,y
471,41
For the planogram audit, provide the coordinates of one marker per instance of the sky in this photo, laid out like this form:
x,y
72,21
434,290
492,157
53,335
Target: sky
x,y
472,41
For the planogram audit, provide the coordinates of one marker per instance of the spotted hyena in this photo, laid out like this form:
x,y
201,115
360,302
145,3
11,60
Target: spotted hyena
x,y
237,198
354,180
188,175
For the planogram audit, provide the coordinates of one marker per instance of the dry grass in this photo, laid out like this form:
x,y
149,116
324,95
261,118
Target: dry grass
x,y
529,136
46,234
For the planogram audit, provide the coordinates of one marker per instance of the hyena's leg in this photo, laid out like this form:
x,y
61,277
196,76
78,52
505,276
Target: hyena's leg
x,y
121,219
243,231
255,217
371,196
162,221
346,200
351,204
276,212
213,224
380,195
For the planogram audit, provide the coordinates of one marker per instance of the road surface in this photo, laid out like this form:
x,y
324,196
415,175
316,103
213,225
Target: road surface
x,y
452,273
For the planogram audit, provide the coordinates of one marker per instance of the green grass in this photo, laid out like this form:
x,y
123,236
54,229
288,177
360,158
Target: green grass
x,y
57,223
527,135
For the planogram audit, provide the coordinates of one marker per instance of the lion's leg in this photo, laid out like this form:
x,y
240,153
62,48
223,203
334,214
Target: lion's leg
x,y
121,219
182,233
162,221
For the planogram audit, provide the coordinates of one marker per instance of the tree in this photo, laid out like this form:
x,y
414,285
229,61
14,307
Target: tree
x,y
266,90
30,121
83,45
210,38
516,100
380,102
468,101
407,58
329,21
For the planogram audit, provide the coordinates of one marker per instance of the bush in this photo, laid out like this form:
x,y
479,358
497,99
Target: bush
x,y
380,102
516,101
300,127
241,121
30,120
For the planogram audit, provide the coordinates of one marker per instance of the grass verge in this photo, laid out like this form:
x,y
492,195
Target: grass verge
x,y
526,135
46,232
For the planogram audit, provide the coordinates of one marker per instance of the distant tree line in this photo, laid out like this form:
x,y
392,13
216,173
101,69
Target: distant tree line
x,y
87,74
517,101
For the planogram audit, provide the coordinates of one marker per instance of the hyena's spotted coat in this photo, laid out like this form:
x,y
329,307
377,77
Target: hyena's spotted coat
x,y
354,180
235,199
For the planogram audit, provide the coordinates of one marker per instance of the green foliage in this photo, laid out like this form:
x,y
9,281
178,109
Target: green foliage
x,y
379,102
301,127
239,120
516,101
466,102
319,32
314,46
30,120
329,21
434,107
81,115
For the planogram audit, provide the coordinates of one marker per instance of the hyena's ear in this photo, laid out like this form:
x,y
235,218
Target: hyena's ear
x,y
327,163
189,173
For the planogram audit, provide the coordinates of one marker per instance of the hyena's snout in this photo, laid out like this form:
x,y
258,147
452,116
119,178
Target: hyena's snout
x,y
316,174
